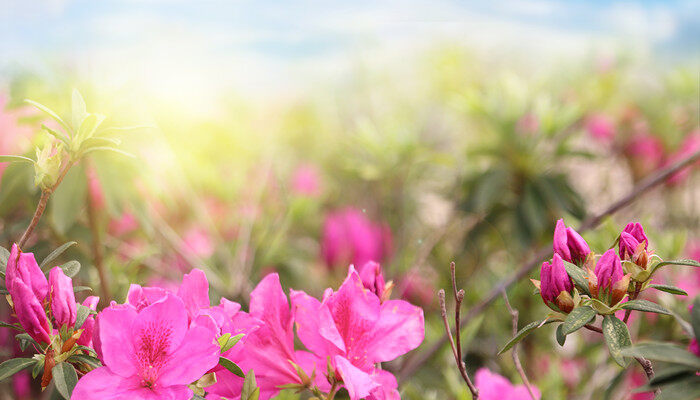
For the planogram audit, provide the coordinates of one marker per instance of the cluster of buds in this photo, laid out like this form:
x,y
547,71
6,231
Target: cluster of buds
x,y
608,282
46,309
373,280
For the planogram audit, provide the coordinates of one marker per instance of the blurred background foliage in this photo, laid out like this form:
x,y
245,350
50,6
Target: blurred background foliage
x,y
462,157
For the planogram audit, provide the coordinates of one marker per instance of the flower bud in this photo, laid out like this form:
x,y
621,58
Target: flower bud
x,y
633,244
556,285
47,166
62,298
608,282
89,324
569,244
28,287
373,279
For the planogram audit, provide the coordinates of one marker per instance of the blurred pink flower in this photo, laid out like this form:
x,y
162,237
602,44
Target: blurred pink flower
x,y
690,145
418,287
350,237
636,379
528,124
149,354
13,136
123,225
97,195
355,331
645,154
22,385
688,279
600,127
496,387
306,181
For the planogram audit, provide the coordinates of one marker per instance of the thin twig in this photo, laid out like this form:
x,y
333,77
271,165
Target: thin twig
x,y
456,348
412,364
593,328
41,207
514,351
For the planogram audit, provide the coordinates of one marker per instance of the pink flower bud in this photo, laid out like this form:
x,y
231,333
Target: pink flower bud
x,y
28,287
569,244
373,278
633,244
600,127
62,297
556,285
89,324
609,283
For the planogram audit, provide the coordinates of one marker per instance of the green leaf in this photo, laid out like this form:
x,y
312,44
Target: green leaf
x,y
58,135
116,129
231,366
38,369
669,289
10,158
231,342
81,316
51,114
577,318
561,337
71,268
250,390
68,200
81,288
670,374
4,256
616,337
690,263
7,325
526,330
25,341
107,148
644,305
78,110
665,352
89,126
688,389
695,317
54,254
93,362
578,275
13,366
64,378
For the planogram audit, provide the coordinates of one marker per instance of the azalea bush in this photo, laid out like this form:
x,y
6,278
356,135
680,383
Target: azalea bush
x,y
165,255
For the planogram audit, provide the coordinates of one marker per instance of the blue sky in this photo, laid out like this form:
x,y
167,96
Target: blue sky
x,y
271,44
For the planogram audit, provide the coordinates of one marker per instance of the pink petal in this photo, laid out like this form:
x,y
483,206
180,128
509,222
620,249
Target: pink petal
x,y
115,339
30,312
227,385
194,291
23,267
269,304
309,362
158,330
103,384
62,298
141,297
315,325
89,324
198,353
400,329
387,386
358,383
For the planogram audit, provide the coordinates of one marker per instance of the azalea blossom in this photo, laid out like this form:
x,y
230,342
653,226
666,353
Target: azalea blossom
x,y
350,237
493,386
269,347
151,353
353,329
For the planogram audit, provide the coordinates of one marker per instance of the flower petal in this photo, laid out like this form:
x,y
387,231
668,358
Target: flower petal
x,y
103,384
194,291
399,329
358,383
315,325
198,354
115,339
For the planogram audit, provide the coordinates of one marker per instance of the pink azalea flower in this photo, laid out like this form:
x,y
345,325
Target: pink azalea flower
x,y
97,194
89,324
123,225
350,237
306,181
418,286
152,353
269,348
600,127
356,331
636,379
496,387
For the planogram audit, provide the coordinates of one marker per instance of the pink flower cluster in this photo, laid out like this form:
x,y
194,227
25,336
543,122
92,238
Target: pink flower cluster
x,y
159,342
43,307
